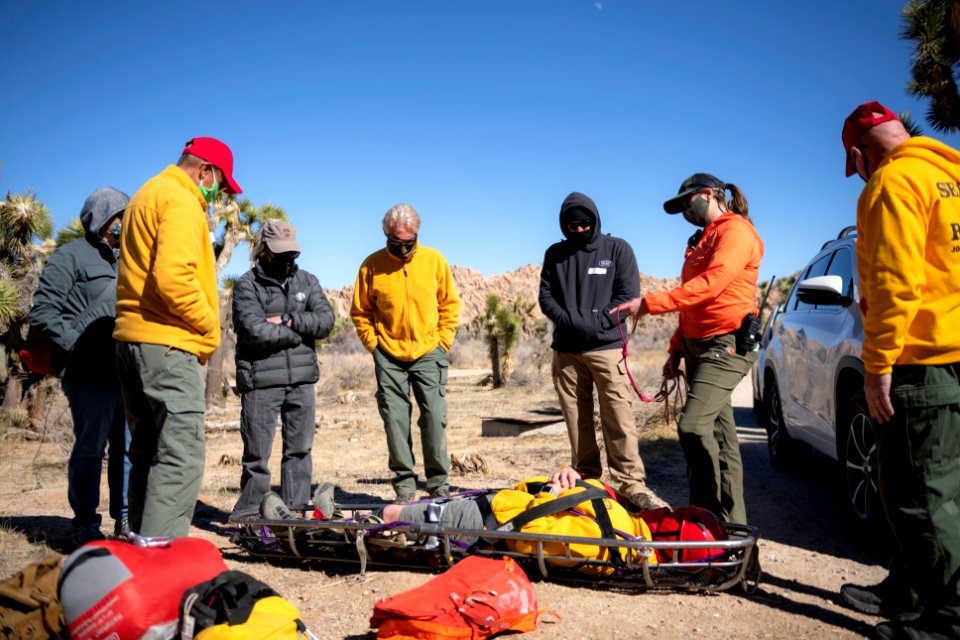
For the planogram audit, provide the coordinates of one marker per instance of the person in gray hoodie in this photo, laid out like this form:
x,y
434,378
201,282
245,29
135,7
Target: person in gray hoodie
x,y
75,305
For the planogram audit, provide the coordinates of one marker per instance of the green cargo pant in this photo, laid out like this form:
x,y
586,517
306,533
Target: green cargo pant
x,y
428,379
163,400
708,433
918,453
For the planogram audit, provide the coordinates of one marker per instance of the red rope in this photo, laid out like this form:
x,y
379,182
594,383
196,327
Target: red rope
x,y
667,387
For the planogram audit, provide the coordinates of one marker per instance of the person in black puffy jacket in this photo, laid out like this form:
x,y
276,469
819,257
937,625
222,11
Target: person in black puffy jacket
x,y
279,312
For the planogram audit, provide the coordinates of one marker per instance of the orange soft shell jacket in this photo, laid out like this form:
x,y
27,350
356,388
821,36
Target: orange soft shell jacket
x,y
719,281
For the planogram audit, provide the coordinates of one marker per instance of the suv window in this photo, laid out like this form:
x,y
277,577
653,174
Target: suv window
x,y
842,265
818,268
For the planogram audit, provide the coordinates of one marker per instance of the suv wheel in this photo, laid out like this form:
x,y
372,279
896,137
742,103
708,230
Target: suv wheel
x,y
782,448
858,455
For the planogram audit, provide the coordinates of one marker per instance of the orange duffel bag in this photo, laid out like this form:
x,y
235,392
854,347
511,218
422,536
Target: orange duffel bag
x,y
476,598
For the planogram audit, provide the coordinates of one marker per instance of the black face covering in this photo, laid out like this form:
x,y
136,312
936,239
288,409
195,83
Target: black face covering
x,y
403,249
279,266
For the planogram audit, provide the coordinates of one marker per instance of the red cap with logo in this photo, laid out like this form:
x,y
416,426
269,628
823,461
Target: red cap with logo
x,y
865,117
217,154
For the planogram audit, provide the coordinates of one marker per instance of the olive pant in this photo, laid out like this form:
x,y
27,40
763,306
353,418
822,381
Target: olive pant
x,y
574,376
163,398
918,453
427,377
708,433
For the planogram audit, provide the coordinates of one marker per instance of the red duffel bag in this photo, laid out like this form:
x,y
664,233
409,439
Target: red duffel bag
x,y
111,589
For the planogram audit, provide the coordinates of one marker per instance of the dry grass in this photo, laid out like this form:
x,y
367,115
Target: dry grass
x,y
16,556
345,372
469,352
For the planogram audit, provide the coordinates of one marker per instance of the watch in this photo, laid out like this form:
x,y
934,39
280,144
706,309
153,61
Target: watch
x,y
285,318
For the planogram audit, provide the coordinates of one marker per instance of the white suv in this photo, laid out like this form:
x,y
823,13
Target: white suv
x,y
808,380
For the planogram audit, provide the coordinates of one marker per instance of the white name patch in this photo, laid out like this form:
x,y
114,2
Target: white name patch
x,y
593,271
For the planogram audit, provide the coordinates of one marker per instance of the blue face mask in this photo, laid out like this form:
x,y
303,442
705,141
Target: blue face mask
x,y
210,193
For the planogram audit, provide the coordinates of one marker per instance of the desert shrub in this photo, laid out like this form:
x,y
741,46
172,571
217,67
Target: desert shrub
x,y
532,368
468,352
342,339
345,371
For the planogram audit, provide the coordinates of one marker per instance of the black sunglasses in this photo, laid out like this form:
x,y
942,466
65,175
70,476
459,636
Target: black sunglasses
x,y
402,243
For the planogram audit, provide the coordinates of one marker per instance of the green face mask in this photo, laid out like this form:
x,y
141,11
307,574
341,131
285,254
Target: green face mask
x,y
696,212
210,193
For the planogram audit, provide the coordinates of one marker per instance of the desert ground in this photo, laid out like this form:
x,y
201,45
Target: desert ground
x,y
808,548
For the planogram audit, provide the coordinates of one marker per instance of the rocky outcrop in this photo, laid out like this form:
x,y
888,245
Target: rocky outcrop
x,y
474,288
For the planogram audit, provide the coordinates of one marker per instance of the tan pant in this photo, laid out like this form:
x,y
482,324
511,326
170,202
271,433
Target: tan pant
x,y
574,375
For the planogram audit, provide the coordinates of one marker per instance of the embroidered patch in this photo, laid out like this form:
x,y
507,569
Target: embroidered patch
x,y
300,296
606,262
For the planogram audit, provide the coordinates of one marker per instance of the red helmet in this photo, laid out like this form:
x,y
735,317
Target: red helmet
x,y
687,524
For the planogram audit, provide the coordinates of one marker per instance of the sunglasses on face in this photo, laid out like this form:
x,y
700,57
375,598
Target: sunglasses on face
x,y
579,225
289,256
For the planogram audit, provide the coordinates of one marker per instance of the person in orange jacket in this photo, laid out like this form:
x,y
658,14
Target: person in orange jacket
x,y
716,301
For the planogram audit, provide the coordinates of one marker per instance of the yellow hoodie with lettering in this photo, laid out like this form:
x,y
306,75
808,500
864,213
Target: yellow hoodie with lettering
x,y
908,257
406,307
167,281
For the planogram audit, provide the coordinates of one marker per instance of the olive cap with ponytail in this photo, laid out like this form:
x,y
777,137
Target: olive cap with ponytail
x,y
694,184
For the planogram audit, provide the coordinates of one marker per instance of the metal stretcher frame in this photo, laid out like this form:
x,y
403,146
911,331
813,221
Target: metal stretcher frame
x,y
355,541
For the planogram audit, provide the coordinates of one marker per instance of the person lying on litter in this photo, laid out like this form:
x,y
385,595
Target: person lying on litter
x,y
562,504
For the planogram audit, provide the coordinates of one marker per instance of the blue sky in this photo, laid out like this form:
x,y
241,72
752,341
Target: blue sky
x,y
482,114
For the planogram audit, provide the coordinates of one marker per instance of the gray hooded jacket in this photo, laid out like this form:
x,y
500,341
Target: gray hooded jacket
x,y
74,276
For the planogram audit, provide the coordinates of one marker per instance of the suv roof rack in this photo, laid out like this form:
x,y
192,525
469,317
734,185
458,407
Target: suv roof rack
x,y
846,232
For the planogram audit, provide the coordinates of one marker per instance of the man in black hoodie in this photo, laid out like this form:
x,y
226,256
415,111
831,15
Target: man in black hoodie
x,y
583,278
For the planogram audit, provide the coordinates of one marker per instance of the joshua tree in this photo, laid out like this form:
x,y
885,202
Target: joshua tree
x,y
934,27
25,229
69,233
501,328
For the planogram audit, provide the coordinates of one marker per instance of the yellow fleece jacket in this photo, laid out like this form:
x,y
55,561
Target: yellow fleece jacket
x,y
908,257
406,307
167,281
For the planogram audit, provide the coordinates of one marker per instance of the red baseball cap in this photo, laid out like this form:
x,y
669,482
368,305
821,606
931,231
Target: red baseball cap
x,y
865,117
217,154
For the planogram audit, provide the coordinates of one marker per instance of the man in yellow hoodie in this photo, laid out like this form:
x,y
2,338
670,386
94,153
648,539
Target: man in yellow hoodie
x,y
406,310
168,325
908,253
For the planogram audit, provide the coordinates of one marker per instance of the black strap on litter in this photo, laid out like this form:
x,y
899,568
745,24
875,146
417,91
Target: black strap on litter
x,y
556,505
590,493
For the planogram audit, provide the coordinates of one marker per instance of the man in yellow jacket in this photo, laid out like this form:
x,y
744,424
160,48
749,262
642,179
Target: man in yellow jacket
x,y
908,253
168,325
406,310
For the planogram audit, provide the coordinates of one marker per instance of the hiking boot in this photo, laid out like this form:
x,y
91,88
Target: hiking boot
x,y
439,492
243,516
404,497
272,507
888,599
84,533
916,629
324,503
121,528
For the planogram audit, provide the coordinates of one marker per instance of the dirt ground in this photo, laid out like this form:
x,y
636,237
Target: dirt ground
x,y
808,547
